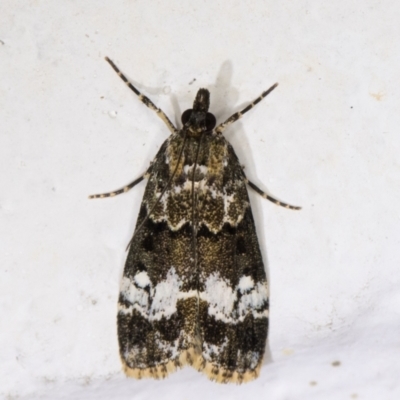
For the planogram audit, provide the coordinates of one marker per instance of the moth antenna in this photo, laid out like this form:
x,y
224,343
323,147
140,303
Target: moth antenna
x,y
233,118
270,198
119,191
144,99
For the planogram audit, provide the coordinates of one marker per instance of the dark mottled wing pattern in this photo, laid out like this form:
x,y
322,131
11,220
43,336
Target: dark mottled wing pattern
x,y
194,288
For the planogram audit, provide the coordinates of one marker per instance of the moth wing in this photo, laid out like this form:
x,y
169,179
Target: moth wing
x,y
156,323
233,286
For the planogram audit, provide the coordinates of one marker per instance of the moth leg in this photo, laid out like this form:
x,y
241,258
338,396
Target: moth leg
x,y
270,198
220,128
116,192
145,100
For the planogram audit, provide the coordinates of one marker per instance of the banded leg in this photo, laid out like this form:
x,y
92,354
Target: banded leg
x,y
145,100
220,128
270,198
117,192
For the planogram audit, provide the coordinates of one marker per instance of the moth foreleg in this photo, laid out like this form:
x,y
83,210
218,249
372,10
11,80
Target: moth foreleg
x,y
119,191
270,198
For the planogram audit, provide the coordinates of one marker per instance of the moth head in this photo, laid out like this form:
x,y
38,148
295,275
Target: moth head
x,y
197,119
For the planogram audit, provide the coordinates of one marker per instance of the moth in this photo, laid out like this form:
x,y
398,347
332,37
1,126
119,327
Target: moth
x,y
194,289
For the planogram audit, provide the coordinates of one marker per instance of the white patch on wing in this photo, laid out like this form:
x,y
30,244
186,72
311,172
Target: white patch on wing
x,y
187,186
142,279
177,189
221,298
245,283
210,351
188,295
227,202
224,304
203,169
138,297
253,301
200,169
213,192
165,296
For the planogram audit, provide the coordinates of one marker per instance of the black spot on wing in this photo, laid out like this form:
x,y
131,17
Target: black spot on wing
x,y
240,245
180,180
169,328
204,232
214,332
140,267
148,243
133,330
228,229
252,334
156,227
210,180
123,301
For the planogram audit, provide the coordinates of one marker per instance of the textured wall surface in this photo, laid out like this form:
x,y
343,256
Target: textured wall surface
x,y
326,139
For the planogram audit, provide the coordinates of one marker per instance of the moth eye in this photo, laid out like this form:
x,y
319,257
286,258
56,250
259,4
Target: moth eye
x,y
210,121
186,116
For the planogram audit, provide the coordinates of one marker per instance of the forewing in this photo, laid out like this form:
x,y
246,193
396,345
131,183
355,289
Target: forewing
x,y
233,286
155,321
